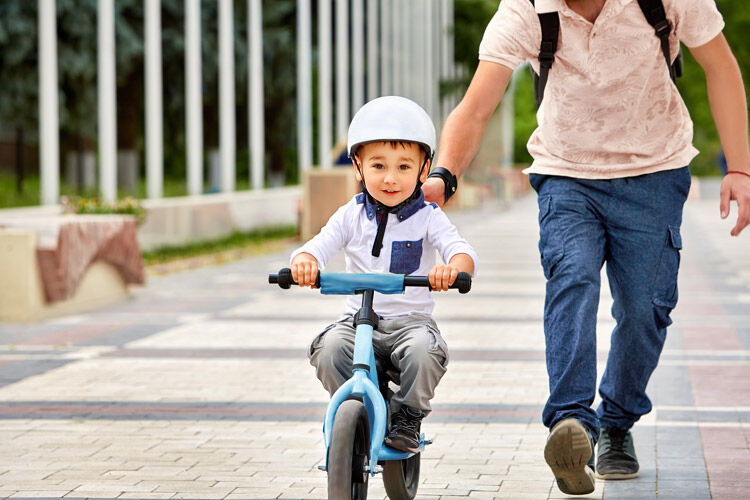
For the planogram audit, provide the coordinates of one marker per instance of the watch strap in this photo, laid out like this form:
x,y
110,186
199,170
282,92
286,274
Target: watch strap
x,y
449,179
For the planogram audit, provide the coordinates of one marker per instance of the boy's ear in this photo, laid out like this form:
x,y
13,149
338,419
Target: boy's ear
x,y
425,171
357,174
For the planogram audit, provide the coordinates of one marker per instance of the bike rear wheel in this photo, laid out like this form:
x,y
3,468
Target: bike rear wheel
x,y
348,454
401,478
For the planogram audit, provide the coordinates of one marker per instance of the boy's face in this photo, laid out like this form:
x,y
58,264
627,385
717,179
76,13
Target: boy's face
x,y
390,170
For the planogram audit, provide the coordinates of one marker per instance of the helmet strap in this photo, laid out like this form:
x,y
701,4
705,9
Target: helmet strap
x,y
383,210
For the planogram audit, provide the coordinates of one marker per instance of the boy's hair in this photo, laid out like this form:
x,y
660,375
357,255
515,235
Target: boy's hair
x,y
394,144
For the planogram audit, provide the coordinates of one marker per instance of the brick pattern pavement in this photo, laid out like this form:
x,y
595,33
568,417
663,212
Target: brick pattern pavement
x,y
199,387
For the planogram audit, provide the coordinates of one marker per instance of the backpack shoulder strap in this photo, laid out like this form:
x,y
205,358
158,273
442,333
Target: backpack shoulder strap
x,y
550,22
657,18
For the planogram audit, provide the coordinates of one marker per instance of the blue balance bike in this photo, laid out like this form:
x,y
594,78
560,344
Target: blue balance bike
x,y
356,419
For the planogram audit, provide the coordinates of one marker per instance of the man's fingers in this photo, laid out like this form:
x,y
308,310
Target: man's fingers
x,y
743,217
724,197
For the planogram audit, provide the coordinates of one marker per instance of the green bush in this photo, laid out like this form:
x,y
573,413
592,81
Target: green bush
x,y
126,206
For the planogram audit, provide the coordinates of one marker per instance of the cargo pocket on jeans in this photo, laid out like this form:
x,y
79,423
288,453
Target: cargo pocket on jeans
x,y
438,346
551,247
665,281
317,341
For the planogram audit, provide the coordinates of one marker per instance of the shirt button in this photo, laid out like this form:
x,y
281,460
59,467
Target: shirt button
x,y
408,244
369,216
400,217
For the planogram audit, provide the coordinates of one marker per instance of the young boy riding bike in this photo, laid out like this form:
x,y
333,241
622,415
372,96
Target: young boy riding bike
x,y
391,143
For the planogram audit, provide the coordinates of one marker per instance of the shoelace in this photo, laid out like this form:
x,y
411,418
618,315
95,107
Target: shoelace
x,y
401,421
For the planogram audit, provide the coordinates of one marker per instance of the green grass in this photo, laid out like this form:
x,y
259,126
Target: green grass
x,y
10,197
235,240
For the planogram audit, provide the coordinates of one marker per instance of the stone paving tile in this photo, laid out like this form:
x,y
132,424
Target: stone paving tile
x,y
162,394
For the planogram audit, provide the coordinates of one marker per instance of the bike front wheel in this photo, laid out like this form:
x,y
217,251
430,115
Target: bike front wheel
x,y
348,455
401,478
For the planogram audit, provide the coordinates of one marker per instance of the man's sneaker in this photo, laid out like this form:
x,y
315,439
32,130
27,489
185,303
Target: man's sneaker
x,y
615,455
568,452
404,433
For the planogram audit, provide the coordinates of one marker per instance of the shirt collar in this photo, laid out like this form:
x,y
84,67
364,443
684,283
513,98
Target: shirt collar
x,y
403,213
545,6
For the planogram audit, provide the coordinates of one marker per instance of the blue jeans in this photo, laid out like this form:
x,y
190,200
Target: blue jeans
x,y
632,224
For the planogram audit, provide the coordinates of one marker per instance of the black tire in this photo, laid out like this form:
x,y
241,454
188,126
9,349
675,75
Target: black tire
x,y
349,452
401,478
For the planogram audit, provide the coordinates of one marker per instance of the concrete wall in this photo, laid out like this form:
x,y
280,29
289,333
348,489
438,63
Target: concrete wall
x,y
176,221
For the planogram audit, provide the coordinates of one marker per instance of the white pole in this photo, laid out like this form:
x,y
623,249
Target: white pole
x,y
407,37
324,82
342,68
106,92
386,41
49,145
451,59
256,109
373,23
154,129
429,76
436,41
193,97
424,74
304,86
358,55
227,145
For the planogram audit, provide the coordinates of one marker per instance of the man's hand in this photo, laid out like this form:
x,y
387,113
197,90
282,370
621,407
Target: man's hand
x,y
736,187
305,269
434,190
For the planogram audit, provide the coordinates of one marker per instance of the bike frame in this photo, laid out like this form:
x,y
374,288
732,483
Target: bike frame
x,y
364,381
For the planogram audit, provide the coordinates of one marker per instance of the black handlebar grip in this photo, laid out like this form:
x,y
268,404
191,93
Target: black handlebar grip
x,y
463,282
284,278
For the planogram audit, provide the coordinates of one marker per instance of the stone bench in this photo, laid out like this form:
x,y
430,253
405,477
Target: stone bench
x,y
62,264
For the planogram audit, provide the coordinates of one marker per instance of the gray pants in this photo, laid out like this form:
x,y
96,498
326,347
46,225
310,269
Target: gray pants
x,y
412,344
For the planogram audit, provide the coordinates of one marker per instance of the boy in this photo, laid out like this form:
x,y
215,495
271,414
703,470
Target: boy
x,y
391,142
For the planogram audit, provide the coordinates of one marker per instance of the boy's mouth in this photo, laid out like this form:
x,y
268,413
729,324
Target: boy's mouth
x,y
389,192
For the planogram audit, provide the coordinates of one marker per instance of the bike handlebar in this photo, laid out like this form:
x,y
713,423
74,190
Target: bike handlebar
x,y
462,283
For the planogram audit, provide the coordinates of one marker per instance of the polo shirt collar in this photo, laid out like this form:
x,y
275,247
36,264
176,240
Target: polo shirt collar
x,y
545,6
402,214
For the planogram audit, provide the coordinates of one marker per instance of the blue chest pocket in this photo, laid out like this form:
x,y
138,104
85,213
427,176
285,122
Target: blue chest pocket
x,y
405,256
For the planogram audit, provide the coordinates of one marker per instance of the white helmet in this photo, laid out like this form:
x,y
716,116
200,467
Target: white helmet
x,y
391,118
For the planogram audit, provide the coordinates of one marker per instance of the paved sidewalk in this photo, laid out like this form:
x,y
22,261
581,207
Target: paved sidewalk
x,y
199,387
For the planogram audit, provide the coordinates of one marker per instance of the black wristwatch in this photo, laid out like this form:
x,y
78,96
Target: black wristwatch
x,y
450,181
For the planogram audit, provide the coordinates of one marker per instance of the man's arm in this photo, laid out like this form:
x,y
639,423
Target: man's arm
x,y
465,126
726,94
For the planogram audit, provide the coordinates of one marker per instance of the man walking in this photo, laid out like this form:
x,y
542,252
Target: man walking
x,y
610,170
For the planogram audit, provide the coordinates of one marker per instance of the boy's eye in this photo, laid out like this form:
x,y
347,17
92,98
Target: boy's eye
x,y
404,166
377,165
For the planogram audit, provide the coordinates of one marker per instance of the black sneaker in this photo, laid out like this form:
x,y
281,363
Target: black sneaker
x,y
404,433
568,452
615,455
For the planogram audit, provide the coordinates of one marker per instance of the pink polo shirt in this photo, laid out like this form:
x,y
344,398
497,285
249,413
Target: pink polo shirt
x,y
610,109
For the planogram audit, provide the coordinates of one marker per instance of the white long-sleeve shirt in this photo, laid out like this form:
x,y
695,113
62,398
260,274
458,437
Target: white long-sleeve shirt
x,y
412,236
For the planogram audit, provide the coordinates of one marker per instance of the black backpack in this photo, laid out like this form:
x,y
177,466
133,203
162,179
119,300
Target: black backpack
x,y
655,14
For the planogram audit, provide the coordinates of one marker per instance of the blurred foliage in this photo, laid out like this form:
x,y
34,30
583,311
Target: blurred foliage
x,y
77,58
77,24
126,206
